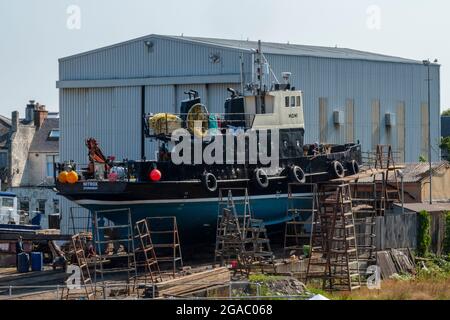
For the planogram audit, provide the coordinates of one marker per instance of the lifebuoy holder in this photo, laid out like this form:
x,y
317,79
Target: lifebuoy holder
x,y
261,178
210,181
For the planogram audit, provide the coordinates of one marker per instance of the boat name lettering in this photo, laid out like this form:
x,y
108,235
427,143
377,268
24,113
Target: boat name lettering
x,y
293,115
90,185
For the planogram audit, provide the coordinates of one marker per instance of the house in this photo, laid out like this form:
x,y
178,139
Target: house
x,y
32,149
5,128
416,181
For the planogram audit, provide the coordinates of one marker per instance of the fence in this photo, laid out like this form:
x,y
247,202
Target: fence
x,y
249,291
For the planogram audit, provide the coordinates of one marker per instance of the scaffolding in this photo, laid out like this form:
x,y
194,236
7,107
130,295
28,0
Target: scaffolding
x,y
114,244
300,217
334,252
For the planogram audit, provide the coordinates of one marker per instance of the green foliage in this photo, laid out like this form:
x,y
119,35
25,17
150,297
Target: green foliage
x,y
446,113
422,159
423,234
447,233
445,144
435,268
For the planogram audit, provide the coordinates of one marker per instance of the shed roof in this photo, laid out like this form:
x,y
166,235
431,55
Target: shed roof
x,y
270,48
40,142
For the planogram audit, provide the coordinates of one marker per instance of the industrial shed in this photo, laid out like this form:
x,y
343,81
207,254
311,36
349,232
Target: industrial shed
x,y
375,98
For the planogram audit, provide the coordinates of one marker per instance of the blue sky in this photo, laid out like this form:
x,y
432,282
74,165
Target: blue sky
x,y
34,34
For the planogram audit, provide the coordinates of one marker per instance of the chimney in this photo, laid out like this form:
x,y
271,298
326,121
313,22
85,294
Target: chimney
x,y
29,111
40,114
14,121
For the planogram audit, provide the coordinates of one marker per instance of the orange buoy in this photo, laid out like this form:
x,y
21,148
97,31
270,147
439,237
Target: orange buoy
x,y
155,175
62,177
72,177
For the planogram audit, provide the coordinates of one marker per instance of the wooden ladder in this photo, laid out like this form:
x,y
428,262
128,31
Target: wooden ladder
x,y
385,160
299,218
338,252
166,242
148,251
85,276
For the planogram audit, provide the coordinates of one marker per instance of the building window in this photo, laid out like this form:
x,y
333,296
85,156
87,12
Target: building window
x,y
53,135
56,205
24,205
50,164
3,160
41,205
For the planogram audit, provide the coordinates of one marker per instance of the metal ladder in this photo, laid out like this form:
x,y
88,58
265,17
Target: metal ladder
x,y
124,237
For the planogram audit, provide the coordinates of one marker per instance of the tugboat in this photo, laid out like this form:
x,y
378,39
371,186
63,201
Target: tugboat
x,y
257,144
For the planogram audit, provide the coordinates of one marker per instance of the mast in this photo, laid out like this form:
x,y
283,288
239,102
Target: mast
x,y
259,72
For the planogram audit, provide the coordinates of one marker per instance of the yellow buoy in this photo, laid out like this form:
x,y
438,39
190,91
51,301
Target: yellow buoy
x,y
72,177
62,177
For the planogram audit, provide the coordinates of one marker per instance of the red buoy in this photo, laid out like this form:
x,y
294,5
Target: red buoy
x,y
155,175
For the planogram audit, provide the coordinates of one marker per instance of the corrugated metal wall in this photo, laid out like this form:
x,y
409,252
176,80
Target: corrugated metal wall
x,y
134,59
338,80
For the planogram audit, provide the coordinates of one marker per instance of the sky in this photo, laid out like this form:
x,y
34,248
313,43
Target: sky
x,y
35,34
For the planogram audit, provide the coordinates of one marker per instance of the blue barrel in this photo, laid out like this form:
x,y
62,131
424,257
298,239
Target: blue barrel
x,y
23,262
37,261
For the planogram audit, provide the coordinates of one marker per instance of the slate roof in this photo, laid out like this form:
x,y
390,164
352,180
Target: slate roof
x,y
40,142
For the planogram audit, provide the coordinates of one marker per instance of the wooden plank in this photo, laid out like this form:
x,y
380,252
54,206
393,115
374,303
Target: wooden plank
x,y
386,264
194,282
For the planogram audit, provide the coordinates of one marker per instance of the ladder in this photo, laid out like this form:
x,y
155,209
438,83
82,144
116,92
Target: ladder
x,y
364,206
231,226
385,160
148,251
239,236
166,241
337,255
299,218
121,237
85,276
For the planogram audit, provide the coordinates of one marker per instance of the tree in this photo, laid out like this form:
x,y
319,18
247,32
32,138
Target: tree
x,y
445,145
446,113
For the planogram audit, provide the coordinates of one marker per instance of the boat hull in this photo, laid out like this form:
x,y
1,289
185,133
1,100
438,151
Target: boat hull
x,y
197,218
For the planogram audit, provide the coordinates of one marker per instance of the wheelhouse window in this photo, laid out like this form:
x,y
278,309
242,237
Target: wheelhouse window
x,y
286,102
292,101
7,202
298,101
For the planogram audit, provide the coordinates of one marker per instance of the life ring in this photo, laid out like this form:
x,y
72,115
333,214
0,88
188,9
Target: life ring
x,y
261,178
297,174
353,167
210,182
338,169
